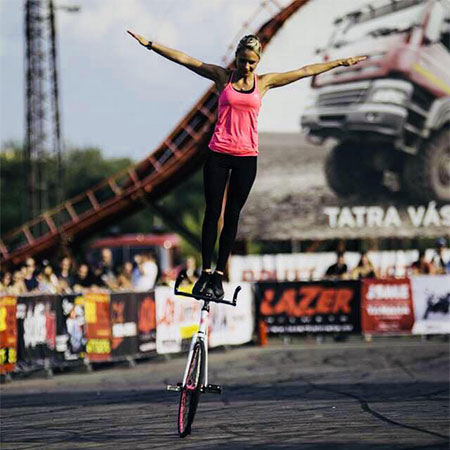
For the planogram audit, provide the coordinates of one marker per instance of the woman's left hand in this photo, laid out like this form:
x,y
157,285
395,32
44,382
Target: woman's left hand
x,y
352,61
141,39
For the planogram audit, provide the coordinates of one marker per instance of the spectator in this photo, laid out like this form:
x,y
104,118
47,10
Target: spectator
x,y
83,279
6,282
105,269
124,279
48,281
30,275
422,266
190,271
65,275
364,269
440,264
339,268
18,286
148,273
136,270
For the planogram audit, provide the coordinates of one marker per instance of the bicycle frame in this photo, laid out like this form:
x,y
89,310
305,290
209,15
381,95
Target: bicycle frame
x,y
201,335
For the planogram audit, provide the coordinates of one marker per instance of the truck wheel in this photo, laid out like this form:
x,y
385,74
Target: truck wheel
x,y
426,176
347,173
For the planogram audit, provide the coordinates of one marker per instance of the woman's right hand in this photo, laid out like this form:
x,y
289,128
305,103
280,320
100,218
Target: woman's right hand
x,y
141,39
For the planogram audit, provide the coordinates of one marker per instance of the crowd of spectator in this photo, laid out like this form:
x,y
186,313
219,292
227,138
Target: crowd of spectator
x,y
143,273
68,277
365,269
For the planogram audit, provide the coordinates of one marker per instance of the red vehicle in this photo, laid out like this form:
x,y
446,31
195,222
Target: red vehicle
x,y
165,247
390,113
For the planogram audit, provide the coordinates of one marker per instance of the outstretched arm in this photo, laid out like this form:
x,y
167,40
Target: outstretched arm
x,y
210,71
273,80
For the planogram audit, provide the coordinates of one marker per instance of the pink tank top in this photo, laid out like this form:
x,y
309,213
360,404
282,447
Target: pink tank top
x,y
236,130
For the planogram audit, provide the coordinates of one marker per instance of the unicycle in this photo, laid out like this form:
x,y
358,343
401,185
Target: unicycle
x,y
195,378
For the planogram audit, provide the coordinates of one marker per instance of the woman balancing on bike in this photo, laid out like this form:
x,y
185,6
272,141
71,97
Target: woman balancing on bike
x,y
234,144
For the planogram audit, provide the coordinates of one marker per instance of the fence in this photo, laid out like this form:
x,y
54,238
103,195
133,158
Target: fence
x,y
54,331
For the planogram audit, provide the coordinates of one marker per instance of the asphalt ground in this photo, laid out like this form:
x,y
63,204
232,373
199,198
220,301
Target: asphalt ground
x,y
385,395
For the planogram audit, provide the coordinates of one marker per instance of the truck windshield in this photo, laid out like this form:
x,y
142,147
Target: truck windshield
x,y
353,30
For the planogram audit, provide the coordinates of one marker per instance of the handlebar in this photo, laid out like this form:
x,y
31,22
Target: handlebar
x,y
204,298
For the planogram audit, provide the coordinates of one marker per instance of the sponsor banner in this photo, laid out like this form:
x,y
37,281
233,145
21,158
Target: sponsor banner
x,y
71,327
36,331
431,297
232,325
124,340
8,333
310,307
386,306
177,319
313,266
98,326
146,321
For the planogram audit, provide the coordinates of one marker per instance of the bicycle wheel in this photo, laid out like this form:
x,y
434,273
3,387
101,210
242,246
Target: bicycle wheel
x,y
190,394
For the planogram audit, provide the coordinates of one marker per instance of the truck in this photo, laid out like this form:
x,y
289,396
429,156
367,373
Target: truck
x,y
389,115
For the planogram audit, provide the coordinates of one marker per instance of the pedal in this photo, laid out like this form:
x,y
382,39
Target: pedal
x,y
212,389
172,387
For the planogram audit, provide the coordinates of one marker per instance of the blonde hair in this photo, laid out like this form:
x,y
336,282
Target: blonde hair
x,y
250,42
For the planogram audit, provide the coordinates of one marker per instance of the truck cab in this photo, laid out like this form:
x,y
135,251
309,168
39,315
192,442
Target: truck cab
x,y
391,112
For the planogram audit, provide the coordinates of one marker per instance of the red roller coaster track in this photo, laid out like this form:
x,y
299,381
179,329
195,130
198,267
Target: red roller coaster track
x,y
176,158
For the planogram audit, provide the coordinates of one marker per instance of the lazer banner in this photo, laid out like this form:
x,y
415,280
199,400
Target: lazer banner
x,y
387,306
98,326
36,331
8,333
431,296
310,307
71,327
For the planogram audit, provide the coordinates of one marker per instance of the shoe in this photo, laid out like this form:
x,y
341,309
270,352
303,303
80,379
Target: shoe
x,y
201,284
214,287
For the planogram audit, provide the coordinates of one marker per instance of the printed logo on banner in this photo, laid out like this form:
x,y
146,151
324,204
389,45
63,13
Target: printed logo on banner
x,y
146,322
8,333
431,296
98,326
386,306
71,339
307,307
36,329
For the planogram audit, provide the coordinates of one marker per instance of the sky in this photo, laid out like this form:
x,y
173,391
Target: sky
x,y
125,100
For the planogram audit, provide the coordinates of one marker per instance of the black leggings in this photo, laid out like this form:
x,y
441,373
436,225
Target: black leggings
x,y
215,175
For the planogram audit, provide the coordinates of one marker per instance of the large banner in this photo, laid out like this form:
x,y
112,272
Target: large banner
x,y
8,333
307,307
431,296
178,318
387,306
98,326
36,331
71,328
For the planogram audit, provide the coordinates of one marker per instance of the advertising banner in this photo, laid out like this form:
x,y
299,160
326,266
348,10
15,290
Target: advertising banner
x,y
177,319
98,326
310,307
431,297
36,331
386,306
124,340
232,325
71,327
146,321
8,333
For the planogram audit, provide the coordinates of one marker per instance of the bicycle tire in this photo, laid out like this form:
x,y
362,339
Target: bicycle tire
x,y
190,394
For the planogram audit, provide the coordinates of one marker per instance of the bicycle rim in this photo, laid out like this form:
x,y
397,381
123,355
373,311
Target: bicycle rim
x,y
190,394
